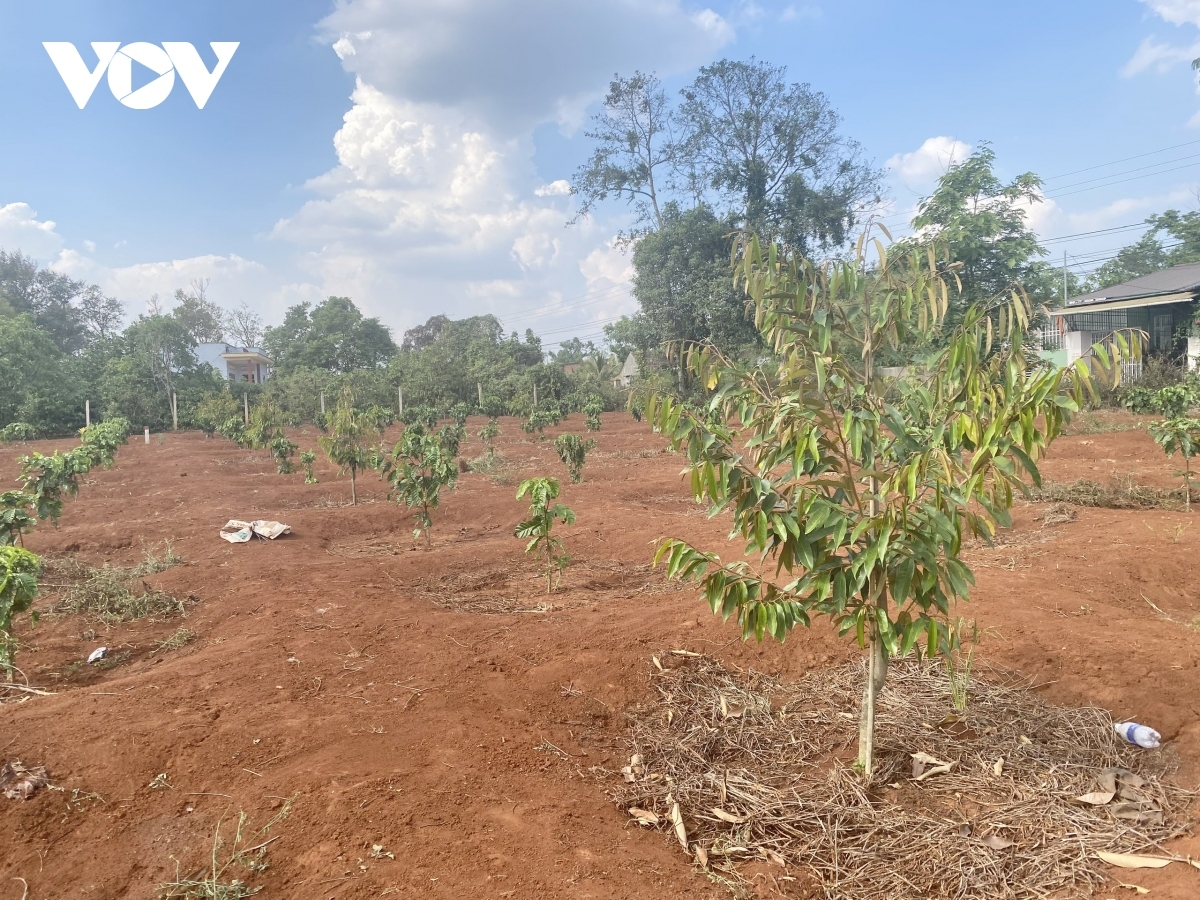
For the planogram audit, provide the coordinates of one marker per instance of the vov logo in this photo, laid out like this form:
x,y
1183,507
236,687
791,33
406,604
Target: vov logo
x,y
117,60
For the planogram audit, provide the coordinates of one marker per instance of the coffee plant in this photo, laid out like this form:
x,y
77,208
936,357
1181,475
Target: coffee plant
x,y
426,416
591,412
573,451
17,432
19,571
215,410
15,517
282,450
49,478
459,413
1179,435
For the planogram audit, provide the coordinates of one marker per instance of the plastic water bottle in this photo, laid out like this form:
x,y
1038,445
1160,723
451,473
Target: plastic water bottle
x,y
1138,734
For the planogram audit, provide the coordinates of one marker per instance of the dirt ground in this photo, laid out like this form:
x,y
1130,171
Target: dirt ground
x,y
439,705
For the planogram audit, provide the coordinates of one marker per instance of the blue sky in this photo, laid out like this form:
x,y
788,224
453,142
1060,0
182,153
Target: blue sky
x,y
412,154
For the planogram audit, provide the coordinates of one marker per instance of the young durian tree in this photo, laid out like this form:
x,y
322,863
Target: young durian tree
x,y
852,491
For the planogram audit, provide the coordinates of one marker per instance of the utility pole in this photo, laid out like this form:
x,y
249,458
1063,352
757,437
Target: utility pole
x,y
1064,278
400,398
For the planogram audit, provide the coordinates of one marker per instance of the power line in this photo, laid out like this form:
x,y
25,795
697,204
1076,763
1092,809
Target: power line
x,y
1126,159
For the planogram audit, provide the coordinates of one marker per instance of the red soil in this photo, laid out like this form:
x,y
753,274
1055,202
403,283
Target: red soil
x,y
430,701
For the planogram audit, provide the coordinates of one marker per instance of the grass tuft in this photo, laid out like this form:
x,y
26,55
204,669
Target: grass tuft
x,y
113,593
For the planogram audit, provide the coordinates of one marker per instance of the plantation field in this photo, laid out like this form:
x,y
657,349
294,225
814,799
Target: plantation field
x,y
434,723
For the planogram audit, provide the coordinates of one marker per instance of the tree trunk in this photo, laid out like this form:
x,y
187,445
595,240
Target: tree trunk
x,y
353,495
877,663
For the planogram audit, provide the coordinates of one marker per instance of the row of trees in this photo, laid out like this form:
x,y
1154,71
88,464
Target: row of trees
x,y
61,344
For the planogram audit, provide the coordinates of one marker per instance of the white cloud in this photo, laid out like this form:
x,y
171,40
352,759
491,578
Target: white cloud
x,y
1177,12
924,166
559,188
435,204
1160,57
20,229
793,13
517,63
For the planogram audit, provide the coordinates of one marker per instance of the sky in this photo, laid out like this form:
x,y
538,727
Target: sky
x,y
415,155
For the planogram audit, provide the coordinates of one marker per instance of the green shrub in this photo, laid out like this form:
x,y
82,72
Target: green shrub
x,y
215,410
19,570
16,432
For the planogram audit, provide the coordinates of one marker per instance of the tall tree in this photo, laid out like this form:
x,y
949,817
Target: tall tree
x,y
162,347
46,295
334,335
244,326
681,280
773,153
1140,258
635,150
202,318
982,222
101,316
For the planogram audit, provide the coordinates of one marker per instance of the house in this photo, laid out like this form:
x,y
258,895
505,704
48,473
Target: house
x,y
236,363
572,368
628,372
1161,304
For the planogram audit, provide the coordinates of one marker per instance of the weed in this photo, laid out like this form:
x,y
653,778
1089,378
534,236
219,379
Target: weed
x,y
959,664
113,593
152,564
247,852
181,638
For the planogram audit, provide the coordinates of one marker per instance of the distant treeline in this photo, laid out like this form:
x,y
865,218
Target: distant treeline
x,y
61,345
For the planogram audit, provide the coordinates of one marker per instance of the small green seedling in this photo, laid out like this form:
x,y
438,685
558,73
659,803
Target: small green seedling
x,y
488,433
308,459
348,443
420,467
573,451
1179,435
282,450
539,527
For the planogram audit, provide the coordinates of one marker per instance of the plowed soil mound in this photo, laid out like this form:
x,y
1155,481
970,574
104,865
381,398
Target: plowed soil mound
x,y
437,702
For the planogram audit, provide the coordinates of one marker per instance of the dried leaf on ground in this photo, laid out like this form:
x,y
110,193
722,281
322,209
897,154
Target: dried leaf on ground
x,y
644,816
786,769
19,782
1134,860
1096,798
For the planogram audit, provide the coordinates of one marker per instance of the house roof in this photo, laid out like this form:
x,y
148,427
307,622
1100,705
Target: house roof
x,y
1166,286
630,368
